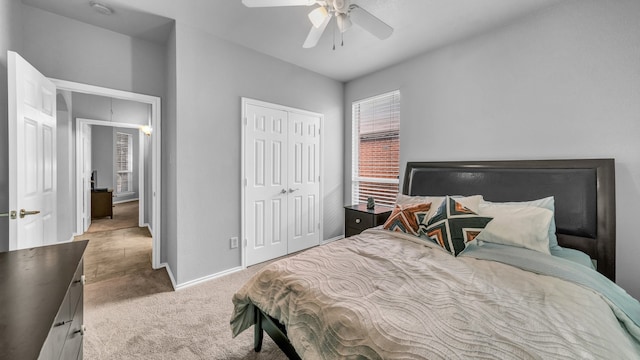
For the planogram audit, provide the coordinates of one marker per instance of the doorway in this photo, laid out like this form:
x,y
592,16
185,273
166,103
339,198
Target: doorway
x,y
93,176
152,194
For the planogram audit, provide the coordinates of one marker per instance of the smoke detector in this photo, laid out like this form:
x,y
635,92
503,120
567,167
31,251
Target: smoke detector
x,y
101,8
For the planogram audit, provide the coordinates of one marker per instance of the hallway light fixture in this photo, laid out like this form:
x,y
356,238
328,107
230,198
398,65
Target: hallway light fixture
x,y
146,129
101,8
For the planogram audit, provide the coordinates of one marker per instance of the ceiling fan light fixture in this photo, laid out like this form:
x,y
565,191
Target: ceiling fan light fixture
x,y
318,16
344,23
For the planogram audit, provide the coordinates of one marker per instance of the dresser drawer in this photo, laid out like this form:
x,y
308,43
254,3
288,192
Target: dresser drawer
x,y
59,330
73,341
358,220
76,287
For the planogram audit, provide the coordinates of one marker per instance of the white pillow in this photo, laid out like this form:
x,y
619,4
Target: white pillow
x,y
546,203
523,226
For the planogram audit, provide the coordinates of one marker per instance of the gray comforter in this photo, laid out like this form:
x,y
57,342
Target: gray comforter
x,y
381,295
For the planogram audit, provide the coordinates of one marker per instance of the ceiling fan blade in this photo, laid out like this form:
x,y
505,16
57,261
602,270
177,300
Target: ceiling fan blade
x,y
315,34
372,24
271,3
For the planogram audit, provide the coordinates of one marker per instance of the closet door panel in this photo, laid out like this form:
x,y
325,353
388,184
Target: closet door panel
x,y
266,168
304,181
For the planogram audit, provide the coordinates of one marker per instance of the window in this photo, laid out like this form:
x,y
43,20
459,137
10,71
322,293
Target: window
x,y
376,148
124,163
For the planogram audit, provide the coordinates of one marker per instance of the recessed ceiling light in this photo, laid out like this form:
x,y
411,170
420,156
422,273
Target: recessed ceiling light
x,y
101,8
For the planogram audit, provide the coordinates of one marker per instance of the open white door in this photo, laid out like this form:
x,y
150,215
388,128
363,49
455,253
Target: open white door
x,y
32,155
304,181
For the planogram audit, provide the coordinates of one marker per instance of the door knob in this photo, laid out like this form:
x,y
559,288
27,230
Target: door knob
x,y
292,190
24,213
283,191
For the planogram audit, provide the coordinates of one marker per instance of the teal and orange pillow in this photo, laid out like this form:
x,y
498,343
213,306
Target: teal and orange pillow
x,y
453,226
407,218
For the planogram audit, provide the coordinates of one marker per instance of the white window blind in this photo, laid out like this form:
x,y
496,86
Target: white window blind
x,y
124,162
376,148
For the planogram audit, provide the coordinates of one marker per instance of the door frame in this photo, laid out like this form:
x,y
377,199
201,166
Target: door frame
x,y
243,179
80,122
156,153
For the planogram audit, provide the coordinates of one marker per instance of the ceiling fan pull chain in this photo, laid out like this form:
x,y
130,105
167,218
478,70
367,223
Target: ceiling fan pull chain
x,y
333,29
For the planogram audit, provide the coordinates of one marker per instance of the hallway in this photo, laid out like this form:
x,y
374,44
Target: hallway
x,y
114,251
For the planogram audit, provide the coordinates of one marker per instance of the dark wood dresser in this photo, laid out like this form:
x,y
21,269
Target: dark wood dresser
x,y
358,218
102,204
41,305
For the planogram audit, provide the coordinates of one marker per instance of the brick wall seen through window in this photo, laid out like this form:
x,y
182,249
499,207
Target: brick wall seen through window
x,y
376,148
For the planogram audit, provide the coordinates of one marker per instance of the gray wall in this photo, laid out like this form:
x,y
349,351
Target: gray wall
x,y
102,155
10,39
169,150
563,83
65,168
71,50
107,109
212,76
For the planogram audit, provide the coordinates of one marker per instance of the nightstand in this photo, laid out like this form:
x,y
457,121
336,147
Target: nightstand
x,y
358,218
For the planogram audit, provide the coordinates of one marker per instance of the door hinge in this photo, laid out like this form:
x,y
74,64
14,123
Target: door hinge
x,y
244,242
245,181
245,121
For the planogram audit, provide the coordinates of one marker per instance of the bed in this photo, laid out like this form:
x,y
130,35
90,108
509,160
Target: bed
x,y
396,294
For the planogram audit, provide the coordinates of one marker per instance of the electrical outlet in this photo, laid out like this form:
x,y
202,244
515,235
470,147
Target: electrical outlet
x,y
234,242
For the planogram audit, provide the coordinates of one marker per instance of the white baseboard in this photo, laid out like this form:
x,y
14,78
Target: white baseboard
x,y
65,241
332,239
123,201
170,273
207,278
187,284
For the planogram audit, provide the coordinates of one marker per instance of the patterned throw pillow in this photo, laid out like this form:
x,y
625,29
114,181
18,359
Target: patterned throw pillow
x,y
407,218
453,226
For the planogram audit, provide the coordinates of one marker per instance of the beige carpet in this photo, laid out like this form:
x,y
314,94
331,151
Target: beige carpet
x,y
138,316
125,215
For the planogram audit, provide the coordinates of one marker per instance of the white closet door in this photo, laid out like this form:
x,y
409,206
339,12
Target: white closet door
x,y
265,205
304,181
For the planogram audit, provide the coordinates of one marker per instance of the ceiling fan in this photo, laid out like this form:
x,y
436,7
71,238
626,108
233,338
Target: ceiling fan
x,y
345,13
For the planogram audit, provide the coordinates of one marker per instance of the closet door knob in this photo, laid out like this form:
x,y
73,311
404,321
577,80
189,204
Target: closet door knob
x,y
292,190
283,191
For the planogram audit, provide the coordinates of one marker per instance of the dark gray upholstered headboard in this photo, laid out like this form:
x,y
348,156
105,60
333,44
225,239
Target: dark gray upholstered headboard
x,y
584,192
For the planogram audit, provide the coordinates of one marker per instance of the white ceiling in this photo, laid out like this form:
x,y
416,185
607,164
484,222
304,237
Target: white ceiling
x,y
419,26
